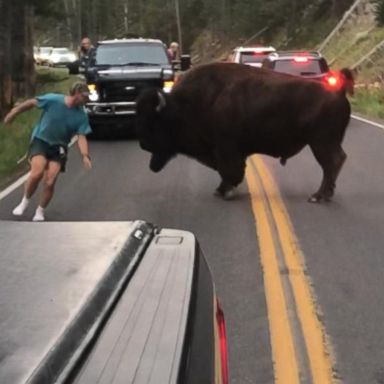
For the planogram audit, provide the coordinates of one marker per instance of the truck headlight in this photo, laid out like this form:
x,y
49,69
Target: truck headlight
x,y
167,87
93,94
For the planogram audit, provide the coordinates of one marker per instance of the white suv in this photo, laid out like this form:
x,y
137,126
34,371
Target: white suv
x,y
253,56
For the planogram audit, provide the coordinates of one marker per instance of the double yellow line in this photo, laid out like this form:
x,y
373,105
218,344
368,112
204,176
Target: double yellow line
x,y
275,233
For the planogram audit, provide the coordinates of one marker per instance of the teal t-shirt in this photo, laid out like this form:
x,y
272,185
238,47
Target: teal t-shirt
x,y
58,123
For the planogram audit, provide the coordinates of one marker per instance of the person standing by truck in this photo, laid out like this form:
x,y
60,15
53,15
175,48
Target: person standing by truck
x,y
63,117
85,52
173,51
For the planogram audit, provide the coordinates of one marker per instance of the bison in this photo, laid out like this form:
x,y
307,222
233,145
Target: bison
x,y
221,113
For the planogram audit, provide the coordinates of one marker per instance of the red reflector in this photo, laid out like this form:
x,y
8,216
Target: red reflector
x,y
332,81
223,342
300,59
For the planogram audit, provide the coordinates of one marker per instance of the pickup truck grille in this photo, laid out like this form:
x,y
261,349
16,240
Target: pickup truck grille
x,y
126,90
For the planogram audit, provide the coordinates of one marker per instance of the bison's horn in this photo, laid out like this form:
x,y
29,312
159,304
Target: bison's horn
x,y
162,102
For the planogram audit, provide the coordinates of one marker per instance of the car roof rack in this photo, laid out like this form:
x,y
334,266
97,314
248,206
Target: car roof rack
x,y
298,53
130,40
255,48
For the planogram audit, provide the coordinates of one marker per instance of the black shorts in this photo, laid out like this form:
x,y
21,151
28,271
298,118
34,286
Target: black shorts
x,y
57,153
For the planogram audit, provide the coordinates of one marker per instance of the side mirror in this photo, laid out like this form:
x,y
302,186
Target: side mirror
x,y
176,65
185,62
73,68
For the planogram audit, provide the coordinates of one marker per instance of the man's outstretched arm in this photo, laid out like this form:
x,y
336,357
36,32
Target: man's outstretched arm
x,y
22,107
84,151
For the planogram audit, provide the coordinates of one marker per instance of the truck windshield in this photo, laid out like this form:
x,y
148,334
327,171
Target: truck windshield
x,y
130,54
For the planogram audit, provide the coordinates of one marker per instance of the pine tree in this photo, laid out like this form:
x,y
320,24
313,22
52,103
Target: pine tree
x,y
380,12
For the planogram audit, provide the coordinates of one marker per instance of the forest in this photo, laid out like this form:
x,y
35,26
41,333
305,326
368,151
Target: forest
x,y
28,23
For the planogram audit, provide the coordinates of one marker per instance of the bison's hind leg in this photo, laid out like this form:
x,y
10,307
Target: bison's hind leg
x,y
331,160
226,191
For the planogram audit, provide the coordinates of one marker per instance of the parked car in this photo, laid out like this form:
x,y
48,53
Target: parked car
x,y
132,301
310,65
253,56
61,57
35,53
117,73
307,64
41,55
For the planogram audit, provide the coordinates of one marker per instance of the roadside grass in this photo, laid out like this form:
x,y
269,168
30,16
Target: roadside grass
x,y
369,102
14,138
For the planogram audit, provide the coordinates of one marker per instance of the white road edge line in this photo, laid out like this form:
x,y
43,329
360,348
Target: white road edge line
x,y
20,181
368,121
13,186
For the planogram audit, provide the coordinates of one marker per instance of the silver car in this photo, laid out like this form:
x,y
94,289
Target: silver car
x,y
41,55
252,56
61,56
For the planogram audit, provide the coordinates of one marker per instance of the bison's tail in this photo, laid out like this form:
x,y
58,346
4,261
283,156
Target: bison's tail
x,y
349,80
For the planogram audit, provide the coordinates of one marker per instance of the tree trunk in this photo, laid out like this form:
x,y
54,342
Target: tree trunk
x,y
23,69
5,63
29,64
18,46
68,24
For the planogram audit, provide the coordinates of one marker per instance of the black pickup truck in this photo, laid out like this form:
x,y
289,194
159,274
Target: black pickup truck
x,y
107,302
117,71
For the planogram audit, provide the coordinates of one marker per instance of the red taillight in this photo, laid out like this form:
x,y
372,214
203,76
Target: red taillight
x,y
223,342
300,59
333,82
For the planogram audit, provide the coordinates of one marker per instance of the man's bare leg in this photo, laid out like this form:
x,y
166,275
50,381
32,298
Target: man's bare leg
x,y
50,177
38,165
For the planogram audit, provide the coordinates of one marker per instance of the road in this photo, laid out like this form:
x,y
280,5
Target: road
x,y
333,289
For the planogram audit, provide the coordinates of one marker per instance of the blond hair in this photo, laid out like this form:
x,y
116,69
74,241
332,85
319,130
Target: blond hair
x,y
78,87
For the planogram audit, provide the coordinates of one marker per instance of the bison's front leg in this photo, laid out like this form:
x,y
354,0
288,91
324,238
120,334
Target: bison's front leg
x,y
158,161
231,167
331,162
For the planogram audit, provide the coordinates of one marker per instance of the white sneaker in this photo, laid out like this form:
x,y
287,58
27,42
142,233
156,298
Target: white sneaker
x,y
39,214
19,210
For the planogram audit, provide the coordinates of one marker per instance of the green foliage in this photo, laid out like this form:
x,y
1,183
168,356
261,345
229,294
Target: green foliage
x,y
226,19
380,12
44,7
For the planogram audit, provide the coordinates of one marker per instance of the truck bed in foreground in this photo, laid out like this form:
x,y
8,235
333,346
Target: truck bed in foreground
x,y
120,302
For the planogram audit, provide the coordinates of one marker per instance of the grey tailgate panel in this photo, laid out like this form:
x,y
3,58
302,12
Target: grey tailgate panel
x,y
143,339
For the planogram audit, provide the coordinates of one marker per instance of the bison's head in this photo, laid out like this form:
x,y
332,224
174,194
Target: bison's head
x,y
154,127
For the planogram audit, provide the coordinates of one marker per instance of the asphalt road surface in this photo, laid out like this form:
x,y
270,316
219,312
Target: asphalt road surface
x,y
341,245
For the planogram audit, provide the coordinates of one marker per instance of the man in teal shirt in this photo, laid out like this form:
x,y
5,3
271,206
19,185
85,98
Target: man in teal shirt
x,y
63,118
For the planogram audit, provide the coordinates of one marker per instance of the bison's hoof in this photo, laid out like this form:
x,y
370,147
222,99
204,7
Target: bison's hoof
x,y
228,194
319,198
314,199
